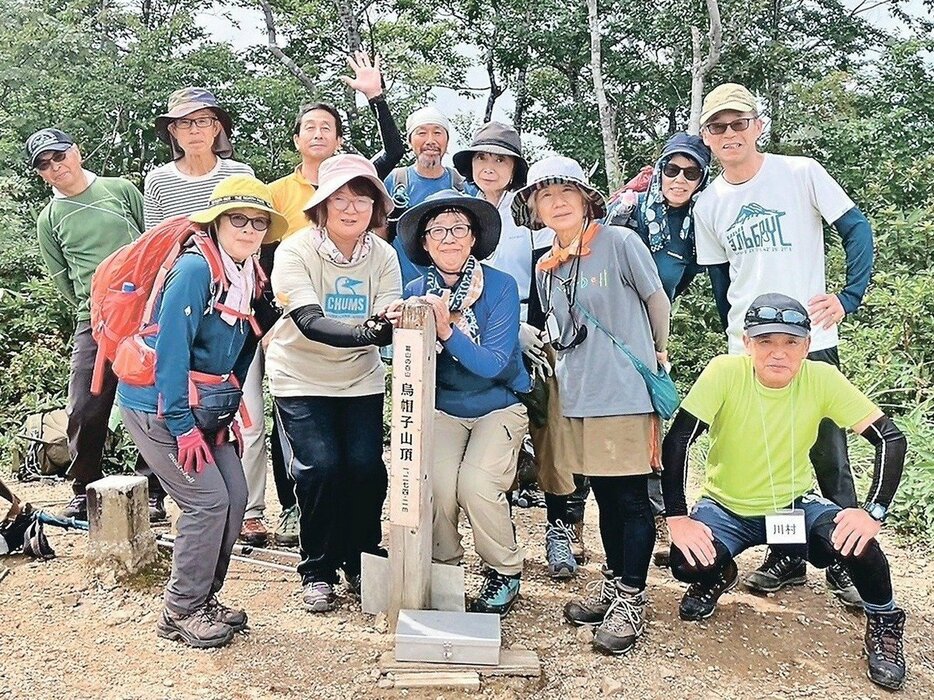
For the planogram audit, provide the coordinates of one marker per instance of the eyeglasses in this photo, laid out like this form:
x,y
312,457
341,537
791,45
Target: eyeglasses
x,y
439,233
200,122
259,223
691,172
46,163
769,314
740,124
342,203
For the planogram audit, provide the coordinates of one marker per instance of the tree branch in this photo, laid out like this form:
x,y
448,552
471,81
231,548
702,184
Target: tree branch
x,y
272,42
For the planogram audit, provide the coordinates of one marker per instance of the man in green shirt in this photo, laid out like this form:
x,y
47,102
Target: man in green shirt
x,y
87,219
763,410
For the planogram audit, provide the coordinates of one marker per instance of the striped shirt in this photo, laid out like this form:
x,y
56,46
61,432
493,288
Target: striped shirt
x,y
168,192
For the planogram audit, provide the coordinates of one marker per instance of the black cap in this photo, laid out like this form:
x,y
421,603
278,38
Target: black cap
x,y
46,140
776,313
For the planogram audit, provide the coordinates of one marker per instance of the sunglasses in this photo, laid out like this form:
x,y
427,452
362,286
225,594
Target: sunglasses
x,y
259,223
769,314
740,124
691,172
580,333
46,163
569,288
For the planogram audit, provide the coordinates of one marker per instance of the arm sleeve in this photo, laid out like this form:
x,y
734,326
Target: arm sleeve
x,y
393,147
54,258
152,206
710,250
856,233
185,298
891,445
315,326
499,340
659,309
720,283
684,430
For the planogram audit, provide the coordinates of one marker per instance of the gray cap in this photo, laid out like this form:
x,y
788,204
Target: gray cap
x,y
776,313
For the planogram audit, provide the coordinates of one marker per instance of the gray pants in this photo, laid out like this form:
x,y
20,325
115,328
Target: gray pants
x,y
212,504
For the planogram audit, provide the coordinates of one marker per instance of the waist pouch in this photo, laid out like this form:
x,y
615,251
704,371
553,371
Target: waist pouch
x,y
214,400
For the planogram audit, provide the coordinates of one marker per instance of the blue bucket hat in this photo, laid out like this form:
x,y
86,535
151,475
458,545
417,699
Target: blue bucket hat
x,y
688,145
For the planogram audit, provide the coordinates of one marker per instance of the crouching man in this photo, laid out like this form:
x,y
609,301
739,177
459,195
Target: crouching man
x,y
763,410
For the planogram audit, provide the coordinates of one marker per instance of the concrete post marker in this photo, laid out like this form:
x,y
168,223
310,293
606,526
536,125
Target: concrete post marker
x,y
120,542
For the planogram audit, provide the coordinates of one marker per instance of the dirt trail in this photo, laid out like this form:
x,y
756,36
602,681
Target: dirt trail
x,y
64,637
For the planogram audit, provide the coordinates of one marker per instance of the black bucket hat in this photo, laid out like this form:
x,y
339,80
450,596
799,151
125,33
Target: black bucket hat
x,y
411,226
498,138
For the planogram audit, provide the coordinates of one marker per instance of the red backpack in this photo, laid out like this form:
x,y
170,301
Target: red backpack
x,y
124,290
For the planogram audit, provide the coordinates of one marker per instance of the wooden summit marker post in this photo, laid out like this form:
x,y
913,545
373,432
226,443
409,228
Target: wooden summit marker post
x,y
410,507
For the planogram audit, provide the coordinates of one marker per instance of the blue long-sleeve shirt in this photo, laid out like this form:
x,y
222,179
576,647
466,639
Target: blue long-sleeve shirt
x,y
474,379
188,339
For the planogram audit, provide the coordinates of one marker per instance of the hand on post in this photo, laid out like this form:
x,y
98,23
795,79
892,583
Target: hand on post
x,y
439,306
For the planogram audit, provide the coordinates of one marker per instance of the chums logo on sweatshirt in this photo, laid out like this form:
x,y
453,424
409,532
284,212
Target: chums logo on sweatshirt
x,y
757,230
345,301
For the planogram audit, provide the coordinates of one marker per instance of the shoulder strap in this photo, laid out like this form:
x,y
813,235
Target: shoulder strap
x,y
400,176
639,364
457,180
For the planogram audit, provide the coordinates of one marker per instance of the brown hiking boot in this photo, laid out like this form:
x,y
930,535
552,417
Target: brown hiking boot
x,y
232,617
578,548
198,629
254,532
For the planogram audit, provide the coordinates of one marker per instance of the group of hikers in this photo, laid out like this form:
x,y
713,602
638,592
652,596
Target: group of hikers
x,y
537,287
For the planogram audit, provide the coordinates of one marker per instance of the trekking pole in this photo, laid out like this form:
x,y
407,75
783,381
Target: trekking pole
x,y
248,550
164,541
67,523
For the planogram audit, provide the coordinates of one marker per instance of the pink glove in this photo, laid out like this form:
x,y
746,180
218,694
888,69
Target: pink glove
x,y
193,452
231,434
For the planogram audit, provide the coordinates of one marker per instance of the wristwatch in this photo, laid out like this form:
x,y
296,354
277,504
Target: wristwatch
x,y
876,511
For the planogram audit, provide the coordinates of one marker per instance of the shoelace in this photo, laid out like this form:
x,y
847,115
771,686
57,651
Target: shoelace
x,y
625,610
607,590
322,588
494,583
558,542
778,563
842,576
887,641
214,606
706,594
77,500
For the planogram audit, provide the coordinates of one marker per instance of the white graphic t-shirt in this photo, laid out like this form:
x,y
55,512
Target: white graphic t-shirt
x,y
769,230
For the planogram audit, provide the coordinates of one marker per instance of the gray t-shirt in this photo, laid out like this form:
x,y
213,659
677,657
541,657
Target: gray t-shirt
x,y
595,378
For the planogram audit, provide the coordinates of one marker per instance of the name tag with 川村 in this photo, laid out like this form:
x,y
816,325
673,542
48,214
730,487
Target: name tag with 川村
x,y
786,527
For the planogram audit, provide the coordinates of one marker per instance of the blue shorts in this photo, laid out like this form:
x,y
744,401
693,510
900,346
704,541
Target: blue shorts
x,y
738,533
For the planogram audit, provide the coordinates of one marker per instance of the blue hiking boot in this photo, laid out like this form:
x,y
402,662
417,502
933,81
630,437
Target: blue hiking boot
x,y
497,594
558,542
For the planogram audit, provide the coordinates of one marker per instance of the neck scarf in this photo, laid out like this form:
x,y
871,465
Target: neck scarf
x,y
322,241
462,297
580,246
654,210
242,280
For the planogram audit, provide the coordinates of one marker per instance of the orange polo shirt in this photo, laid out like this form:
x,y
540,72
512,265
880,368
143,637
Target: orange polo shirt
x,y
290,194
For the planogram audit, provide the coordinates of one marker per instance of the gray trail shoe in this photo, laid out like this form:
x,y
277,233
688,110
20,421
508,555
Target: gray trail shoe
x,y
286,533
841,585
199,629
561,561
318,596
232,617
624,621
591,611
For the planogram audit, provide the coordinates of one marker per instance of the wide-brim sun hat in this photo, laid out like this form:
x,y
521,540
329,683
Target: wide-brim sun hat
x,y
412,224
186,100
241,191
337,171
555,170
500,139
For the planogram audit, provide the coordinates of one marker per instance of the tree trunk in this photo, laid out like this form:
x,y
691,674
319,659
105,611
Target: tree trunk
x,y
522,98
273,44
607,117
700,66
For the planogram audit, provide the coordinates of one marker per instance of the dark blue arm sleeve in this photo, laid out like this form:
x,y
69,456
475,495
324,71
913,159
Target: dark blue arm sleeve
x,y
856,233
720,283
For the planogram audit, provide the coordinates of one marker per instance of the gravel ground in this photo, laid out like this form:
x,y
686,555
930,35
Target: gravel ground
x,y
66,636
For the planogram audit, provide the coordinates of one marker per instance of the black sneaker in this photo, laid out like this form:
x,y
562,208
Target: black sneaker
x,y
841,585
777,571
591,611
498,593
77,507
700,601
156,509
883,646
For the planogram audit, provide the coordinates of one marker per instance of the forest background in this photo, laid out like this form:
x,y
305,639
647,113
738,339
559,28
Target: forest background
x,y
856,94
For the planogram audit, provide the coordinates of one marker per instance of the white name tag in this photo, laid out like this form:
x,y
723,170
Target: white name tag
x,y
786,527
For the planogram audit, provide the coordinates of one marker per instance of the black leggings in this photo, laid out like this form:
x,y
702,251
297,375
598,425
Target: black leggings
x,y
627,527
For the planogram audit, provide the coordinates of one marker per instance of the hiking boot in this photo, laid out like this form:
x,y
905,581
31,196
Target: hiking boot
x,y
777,571
662,553
318,596
624,621
77,507
561,561
156,509
700,600
354,583
286,533
232,617
578,548
497,594
199,629
253,532
528,497
590,611
841,585
883,646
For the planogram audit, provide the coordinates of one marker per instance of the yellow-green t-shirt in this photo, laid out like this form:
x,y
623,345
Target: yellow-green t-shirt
x,y
760,437
290,194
